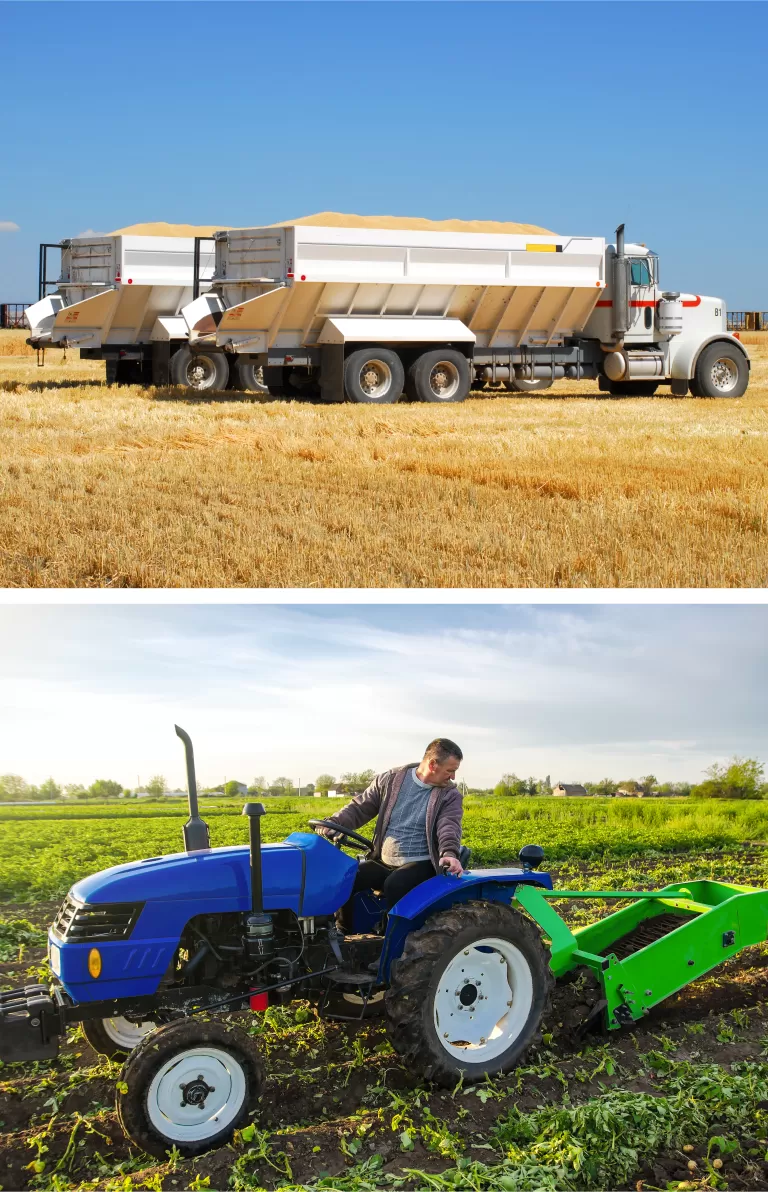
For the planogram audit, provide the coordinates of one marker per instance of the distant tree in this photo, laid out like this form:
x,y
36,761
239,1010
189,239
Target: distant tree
x,y
627,784
357,781
258,786
606,786
503,788
156,786
742,778
308,788
74,790
105,788
324,783
532,786
282,786
649,783
49,789
13,787
232,787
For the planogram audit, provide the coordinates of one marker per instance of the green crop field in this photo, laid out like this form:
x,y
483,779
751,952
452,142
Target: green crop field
x,y
680,1101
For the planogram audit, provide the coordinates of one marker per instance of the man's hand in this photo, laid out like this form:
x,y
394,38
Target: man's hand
x,y
452,864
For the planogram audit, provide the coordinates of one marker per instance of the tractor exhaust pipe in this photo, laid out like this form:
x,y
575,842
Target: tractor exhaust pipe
x,y
196,834
620,290
259,930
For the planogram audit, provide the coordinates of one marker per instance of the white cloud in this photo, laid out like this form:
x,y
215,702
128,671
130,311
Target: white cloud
x,y
88,232
7,225
576,693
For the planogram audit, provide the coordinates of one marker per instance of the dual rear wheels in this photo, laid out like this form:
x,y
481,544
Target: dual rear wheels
x,y
378,376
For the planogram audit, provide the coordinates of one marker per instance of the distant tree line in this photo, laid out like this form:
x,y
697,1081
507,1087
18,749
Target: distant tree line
x,y
741,778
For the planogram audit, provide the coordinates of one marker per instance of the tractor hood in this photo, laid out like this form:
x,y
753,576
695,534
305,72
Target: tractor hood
x,y
305,874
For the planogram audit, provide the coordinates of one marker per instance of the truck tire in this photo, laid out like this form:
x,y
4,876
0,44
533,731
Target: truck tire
x,y
190,1085
439,376
249,377
476,952
203,372
721,371
632,388
115,1037
373,376
534,385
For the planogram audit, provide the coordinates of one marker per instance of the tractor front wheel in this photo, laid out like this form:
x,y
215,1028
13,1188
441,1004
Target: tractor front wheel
x,y
190,1085
468,993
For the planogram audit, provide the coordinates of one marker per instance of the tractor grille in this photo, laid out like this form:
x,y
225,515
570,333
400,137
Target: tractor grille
x,y
79,923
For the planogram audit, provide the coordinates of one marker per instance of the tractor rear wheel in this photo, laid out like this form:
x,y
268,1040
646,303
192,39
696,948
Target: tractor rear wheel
x,y
190,1085
468,993
115,1037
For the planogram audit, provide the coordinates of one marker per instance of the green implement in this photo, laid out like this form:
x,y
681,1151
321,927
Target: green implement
x,y
657,944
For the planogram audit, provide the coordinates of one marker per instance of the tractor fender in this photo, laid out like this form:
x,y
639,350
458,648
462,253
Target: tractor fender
x,y
442,891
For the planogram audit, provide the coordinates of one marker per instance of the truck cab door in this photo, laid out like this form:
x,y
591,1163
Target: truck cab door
x,y
642,297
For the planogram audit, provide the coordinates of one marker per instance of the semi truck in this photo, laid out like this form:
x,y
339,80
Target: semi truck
x,y
367,313
118,299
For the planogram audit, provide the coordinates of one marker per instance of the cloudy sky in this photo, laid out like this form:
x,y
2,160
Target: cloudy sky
x,y
574,692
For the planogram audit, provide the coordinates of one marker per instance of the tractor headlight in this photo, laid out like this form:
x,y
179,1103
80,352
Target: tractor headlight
x,y
54,959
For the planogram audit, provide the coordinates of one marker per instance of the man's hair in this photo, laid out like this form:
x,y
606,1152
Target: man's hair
x,y
441,749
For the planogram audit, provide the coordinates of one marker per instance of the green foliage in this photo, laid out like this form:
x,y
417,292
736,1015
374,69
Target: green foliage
x,y
46,849
105,788
156,785
325,782
16,934
742,778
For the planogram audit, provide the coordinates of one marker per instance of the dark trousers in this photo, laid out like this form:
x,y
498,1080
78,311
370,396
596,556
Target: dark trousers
x,y
393,884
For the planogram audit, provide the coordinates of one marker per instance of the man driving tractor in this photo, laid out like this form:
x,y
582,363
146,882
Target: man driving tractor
x,y
418,811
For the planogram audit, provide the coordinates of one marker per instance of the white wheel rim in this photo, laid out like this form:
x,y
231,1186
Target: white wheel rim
x,y
196,1094
444,380
201,372
483,1000
375,378
125,1034
724,375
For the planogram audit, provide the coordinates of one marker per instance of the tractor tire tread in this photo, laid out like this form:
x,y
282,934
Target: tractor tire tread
x,y
413,972
152,1053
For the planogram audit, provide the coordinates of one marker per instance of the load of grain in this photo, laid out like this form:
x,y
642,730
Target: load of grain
x,y
407,223
336,219
169,229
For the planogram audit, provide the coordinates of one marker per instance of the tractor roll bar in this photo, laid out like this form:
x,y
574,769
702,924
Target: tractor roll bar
x,y
196,834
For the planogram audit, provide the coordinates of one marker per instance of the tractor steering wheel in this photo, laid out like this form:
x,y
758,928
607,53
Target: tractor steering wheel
x,y
352,839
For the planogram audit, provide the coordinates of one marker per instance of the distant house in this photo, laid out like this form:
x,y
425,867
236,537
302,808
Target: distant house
x,y
568,788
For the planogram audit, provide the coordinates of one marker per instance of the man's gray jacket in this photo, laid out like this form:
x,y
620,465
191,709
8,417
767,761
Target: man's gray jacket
x,y
444,812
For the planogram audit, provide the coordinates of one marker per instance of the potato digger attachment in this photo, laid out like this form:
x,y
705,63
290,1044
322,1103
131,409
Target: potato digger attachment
x,y
153,957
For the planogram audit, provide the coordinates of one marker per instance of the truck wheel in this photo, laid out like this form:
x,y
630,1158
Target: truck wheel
x,y
189,1085
721,371
441,375
373,376
249,377
632,388
115,1037
199,371
468,993
534,385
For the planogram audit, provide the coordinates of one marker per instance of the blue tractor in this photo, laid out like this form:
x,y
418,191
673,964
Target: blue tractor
x,y
152,956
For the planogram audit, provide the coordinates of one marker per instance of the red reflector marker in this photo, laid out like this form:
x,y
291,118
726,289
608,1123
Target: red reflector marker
x,y
130,281
303,277
259,1001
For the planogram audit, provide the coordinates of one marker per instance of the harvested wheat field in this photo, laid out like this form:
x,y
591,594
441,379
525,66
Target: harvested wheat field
x,y
150,488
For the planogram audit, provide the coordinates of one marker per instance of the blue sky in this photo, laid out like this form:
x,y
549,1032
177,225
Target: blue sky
x,y
574,116
576,692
